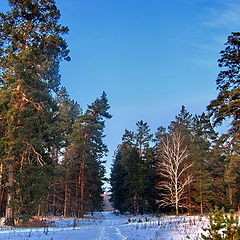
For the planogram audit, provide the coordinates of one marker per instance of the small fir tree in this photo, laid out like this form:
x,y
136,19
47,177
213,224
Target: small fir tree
x,y
222,226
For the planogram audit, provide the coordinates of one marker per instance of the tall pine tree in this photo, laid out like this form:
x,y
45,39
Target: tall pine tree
x,y
31,47
83,158
227,104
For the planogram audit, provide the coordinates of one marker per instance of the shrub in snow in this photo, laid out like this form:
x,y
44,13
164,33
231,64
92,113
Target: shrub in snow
x,y
222,226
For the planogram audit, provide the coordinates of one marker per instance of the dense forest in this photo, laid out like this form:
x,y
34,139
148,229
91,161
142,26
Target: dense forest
x,y
51,149
187,167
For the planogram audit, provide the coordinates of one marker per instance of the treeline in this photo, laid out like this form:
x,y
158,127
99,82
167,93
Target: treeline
x,y
50,149
187,166
181,167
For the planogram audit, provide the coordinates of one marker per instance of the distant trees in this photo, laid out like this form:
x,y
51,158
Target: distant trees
x,y
202,151
133,176
83,159
78,187
185,168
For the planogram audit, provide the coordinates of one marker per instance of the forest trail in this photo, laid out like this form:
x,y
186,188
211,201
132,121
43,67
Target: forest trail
x,y
109,229
111,232
108,226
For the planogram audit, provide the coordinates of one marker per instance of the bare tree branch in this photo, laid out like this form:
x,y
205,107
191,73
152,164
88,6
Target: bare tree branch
x,y
173,168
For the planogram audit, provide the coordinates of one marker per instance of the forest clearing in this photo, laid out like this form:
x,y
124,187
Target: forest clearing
x,y
174,175
108,226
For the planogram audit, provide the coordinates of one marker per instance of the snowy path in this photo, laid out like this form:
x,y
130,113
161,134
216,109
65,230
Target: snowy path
x,y
107,226
109,233
110,229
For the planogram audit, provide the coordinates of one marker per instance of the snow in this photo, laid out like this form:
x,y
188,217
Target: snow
x,y
108,226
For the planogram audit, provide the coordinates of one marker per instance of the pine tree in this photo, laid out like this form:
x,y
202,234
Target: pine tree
x,y
182,121
232,179
84,155
66,113
203,137
143,137
216,168
31,47
118,183
226,105
147,160
222,226
134,165
121,172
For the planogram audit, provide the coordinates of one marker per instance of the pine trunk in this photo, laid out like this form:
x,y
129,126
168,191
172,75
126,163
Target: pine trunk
x,y
65,200
54,200
39,211
201,199
135,204
1,188
82,188
9,207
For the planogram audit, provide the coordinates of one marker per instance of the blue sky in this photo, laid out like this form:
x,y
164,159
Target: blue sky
x,y
150,57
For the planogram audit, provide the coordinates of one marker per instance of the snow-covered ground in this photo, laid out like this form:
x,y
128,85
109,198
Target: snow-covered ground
x,y
108,226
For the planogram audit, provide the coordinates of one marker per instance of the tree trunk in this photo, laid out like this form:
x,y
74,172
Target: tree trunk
x,y
82,187
1,189
201,209
189,200
39,211
230,192
135,204
176,207
65,200
9,207
176,193
54,200
201,197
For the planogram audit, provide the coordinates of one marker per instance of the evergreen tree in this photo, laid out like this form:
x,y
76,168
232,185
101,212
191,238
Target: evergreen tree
x,y
203,137
31,47
222,226
118,183
182,121
232,179
134,182
128,162
67,112
216,168
226,105
65,115
84,157
134,165
143,137
147,159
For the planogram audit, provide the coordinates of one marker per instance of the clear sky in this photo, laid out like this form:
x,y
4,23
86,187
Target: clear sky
x,y
149,56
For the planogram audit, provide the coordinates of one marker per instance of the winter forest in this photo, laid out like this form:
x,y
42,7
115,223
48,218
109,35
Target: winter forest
x,y
51,149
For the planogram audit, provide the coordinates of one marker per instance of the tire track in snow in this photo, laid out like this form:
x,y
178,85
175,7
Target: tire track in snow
x,y
110,233
120,234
